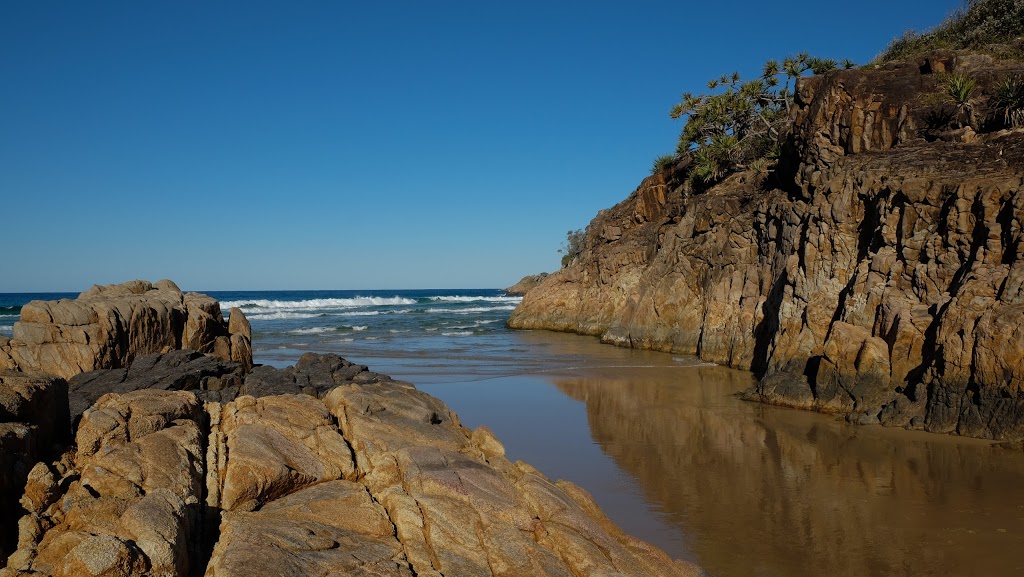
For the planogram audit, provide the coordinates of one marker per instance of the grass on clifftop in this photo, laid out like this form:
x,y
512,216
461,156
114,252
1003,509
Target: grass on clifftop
x,y
977,24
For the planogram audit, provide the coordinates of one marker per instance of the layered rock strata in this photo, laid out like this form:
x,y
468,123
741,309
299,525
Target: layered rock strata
x,y
876,273
108,326
352,474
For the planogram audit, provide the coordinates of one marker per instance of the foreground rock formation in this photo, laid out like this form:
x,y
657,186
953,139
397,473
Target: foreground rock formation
x,y
186,464
877,273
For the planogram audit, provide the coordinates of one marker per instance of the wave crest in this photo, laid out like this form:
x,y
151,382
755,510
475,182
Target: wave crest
x,y
354,302
473,310
472,299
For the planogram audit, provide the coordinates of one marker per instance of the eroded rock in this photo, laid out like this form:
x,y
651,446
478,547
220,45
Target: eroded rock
x,y
109,326
128,502
869,282
33,427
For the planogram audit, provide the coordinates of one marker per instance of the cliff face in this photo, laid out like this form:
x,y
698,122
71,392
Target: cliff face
x,y
879,275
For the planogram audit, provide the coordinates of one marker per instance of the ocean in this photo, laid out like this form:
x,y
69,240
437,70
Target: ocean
x,y
427,333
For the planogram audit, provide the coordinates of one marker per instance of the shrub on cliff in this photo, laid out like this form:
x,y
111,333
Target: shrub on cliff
x,y
976,24
959,89
663,162
744,121
573,246
1008,101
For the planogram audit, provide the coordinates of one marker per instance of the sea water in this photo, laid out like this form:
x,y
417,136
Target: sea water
x,y
664,444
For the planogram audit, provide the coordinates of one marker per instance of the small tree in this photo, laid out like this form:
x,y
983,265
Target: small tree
x,y
745,121
572,247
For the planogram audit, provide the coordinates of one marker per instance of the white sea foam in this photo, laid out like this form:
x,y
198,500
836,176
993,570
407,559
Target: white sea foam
x,y
312,331
354,302
344,340
470,299
458,334
359,314
279,315
475,325
360,328
468,310
6,328
397,331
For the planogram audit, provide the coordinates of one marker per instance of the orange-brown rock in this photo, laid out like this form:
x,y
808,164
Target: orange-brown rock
x,y
878,271
526,284
128,501
108,326
356,474
33,427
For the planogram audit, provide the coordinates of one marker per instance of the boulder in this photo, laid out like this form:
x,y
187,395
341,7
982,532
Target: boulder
x,y
109,326
128,501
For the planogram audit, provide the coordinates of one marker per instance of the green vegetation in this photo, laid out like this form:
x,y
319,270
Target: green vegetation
x,y
573,246
977,24
959,88
663,162
745,121
1008,101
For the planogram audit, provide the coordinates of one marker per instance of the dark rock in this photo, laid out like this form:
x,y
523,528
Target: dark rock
x,y
313,374
173,371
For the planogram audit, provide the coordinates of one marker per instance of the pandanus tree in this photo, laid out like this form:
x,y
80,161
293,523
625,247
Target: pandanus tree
x,y
741,122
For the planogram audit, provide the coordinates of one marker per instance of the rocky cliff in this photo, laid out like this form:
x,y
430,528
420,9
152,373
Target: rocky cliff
x,y
876,272
526,284
186,464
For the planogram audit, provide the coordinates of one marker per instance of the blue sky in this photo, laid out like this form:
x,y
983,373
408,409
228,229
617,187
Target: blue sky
x,y
356,145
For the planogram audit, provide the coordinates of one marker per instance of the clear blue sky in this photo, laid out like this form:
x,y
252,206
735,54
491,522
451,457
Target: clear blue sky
x,y
356,145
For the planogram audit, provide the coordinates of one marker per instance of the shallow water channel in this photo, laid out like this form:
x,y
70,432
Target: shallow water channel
x,y
675,458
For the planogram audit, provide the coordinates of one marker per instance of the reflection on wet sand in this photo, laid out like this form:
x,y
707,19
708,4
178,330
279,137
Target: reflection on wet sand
x,y
766,491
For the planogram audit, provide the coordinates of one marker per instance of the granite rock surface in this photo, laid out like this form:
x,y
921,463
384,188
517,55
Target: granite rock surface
x,y
876,273
109,326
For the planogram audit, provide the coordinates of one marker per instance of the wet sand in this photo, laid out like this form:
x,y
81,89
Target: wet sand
x,y
744,489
